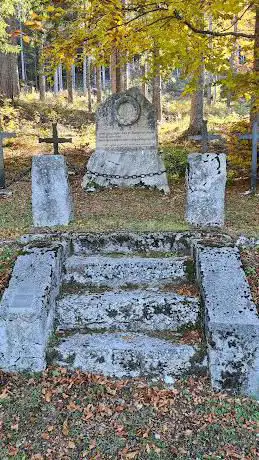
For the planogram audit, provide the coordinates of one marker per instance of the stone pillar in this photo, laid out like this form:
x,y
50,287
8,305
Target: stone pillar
x,y
206,182
51,197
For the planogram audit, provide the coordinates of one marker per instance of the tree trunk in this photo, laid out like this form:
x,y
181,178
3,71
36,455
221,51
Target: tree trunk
x,y
99,84
9,76
157,88
70,91
144,88
88,79
60,78
56,82
116,79
255,101
197,108
42,78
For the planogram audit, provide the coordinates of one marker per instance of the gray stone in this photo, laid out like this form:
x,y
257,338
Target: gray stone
x,y
27,309
231,321
125,355
120,271
51,197
126,144
206,182
129,242
127,310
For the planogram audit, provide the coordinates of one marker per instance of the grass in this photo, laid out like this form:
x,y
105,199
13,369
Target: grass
x,y
76,415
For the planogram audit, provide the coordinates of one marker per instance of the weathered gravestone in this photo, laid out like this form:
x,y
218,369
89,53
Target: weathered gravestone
x,y
126,152
206,182
51,197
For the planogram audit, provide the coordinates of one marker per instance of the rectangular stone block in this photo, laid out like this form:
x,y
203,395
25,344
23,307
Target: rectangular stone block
x,y
51,197
27,309
231,321
206,182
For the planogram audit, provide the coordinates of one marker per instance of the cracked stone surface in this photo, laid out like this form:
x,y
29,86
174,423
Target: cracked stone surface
x,y
118,271
27,310
127,310
206,182
125,355
232,324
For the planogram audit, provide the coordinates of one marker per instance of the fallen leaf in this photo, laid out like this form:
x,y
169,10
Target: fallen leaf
x,y
131,455
65,429
71,445
12,451
45,436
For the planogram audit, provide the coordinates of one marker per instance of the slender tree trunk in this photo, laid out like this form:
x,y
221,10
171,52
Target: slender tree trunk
x,y
144,88
70,91
197,108
255,99
73,71
115,73
99,84
103,78
56,82
42,79
60,78
88,80
157,102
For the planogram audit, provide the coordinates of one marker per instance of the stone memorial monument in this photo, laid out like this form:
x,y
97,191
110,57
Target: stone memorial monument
x,y
206,182
126,152
51,197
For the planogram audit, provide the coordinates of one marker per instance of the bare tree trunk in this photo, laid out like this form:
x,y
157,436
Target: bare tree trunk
x,y
116,73
232,64
197,108
60,78
144,83
9,77
70,91
56,82
157,102
99,84
42,78
255,101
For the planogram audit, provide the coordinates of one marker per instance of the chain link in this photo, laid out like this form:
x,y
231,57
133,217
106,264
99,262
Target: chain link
x,y
117,176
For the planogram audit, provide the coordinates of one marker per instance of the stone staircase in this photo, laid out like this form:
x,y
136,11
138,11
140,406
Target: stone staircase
x,y
121,314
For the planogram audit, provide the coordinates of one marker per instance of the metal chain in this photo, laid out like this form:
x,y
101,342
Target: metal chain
x,y
117,176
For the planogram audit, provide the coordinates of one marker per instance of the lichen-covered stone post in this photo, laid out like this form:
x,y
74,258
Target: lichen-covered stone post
x,y
51,197
206,182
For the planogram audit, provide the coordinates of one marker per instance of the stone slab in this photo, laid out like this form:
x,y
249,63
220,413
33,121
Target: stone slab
x,y
127,310
27,309
231,320
126,144
120,271
51,196
125,355
206,182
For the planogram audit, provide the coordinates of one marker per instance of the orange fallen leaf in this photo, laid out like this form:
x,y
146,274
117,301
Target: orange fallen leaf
x,y
45,436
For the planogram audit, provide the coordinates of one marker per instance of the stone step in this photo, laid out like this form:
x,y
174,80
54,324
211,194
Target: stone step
x,y
138,310
125,355
120,271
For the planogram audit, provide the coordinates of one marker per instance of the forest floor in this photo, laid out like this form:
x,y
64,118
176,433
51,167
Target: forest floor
x,y
75,416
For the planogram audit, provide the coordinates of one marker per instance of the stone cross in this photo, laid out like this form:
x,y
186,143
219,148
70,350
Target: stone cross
x,y
205,137
254,138
3,136
55,140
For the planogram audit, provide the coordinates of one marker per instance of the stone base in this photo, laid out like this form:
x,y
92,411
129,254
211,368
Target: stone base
x,y
105,164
